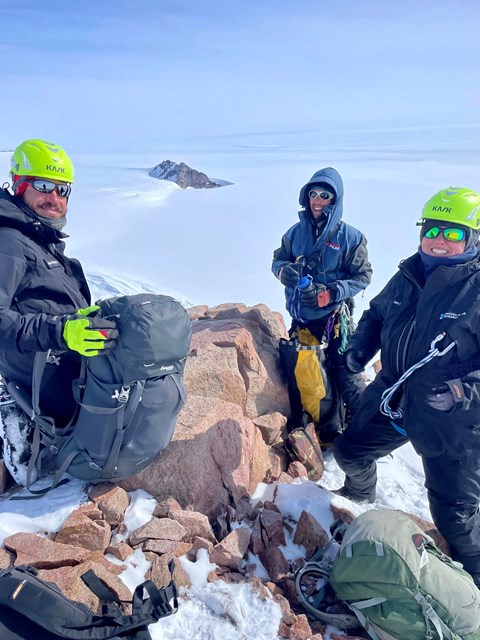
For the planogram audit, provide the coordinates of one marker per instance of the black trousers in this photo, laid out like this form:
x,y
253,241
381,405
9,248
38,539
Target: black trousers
x,y
452,484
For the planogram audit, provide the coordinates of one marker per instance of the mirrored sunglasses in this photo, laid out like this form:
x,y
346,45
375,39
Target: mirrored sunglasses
x,y
46,186
324,195
451,234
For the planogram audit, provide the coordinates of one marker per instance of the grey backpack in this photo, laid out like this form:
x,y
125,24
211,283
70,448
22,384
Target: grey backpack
x,y
127,400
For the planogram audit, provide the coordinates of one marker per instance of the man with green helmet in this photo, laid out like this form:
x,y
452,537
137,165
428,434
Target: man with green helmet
x,y
426,322
44,297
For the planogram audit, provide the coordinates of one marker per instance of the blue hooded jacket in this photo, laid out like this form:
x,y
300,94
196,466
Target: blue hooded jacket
x,y
336,256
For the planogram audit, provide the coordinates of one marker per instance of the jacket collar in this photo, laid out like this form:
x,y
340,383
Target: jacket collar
x,y
15,214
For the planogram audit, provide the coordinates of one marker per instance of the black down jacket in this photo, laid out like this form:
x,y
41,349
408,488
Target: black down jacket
x,y
39,285
402,321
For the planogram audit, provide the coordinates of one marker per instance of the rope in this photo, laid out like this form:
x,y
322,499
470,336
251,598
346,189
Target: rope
x,y
387,395
346,327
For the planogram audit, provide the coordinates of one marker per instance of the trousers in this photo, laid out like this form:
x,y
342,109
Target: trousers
x,y
452,483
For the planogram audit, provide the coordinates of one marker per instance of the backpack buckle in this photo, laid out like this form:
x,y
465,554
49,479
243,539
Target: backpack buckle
x,y
122,396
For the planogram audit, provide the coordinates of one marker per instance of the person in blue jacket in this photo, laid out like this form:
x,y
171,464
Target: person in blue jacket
x,y
335,255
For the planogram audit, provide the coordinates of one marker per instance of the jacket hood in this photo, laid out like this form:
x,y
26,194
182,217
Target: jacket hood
x,y
333,212
15,214
328,176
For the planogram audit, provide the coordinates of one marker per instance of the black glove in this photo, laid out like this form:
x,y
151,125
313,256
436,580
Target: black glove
x,y
315,296
290,274
446,396
355,360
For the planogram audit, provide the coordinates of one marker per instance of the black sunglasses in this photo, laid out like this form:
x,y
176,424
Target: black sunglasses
x,y
46,186
324,195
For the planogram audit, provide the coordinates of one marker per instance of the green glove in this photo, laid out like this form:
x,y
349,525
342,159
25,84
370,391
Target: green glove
x,y
90,336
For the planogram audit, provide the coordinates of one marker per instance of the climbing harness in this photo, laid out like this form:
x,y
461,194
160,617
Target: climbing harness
x,y
387,395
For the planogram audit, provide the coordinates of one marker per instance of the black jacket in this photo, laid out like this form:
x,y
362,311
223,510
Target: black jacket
x,y
39,286
402,321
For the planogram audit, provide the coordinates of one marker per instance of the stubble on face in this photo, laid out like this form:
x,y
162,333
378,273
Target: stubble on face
x,y
49,205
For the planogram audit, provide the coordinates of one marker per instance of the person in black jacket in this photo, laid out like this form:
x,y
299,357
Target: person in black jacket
x,y
426,322
44,297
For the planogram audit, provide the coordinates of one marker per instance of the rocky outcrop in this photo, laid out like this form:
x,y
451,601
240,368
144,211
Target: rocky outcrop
x,y
184,176
221,446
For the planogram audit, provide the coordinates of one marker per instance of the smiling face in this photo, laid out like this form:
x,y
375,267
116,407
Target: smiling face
x,y
440,247
49,205
319,199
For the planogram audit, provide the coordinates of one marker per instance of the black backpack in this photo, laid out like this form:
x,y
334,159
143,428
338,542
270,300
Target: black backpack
x,y
127,400
36,610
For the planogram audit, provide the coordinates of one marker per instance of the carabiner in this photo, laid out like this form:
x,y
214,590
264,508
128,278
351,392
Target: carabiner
x,y
437,339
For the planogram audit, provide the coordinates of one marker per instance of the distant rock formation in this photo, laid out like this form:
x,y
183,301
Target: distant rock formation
x,y
184,176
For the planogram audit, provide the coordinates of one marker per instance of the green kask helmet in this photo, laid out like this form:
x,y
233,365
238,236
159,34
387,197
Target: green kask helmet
x,y
455,205
42,160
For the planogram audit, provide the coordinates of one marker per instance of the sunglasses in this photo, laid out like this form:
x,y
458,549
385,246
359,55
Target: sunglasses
x,y
324,195
450,234
45,186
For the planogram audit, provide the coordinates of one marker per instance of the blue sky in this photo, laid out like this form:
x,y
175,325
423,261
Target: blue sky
x,y
115,75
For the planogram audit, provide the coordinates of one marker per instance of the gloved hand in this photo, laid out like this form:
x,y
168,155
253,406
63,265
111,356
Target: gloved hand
x,y
290,274
316,295
90,336
446,396
354,360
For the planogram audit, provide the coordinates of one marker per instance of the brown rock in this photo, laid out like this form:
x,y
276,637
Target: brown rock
x,y
297,470
300,629
159,572
68,579
202,543
283,631
340,513
271,426
197,312
98,558
79,530
171,547
195,524
279,460
284,478
164,506
43,553
275,563
288,617
233,376
230,551
259,588
158,529
121,550
112,501
310,533
6,559
218,447
288,587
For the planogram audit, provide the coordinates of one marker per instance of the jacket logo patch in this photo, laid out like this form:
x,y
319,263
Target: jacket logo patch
x,y
53,263
333,245
450,315
397,302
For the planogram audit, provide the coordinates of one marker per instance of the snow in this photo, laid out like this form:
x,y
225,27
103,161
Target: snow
x,y
135,233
